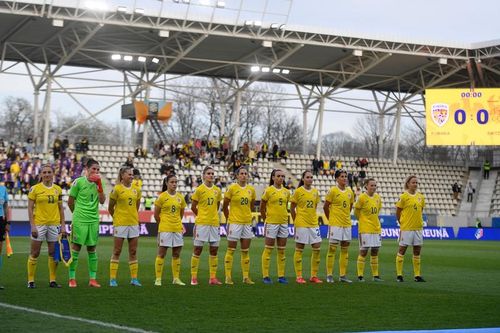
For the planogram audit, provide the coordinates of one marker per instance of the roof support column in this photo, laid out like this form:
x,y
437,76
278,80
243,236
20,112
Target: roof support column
x,y
146,123
321,110
237,109
398,130
132,133
381,131
222,120
36,125
305,142
46,129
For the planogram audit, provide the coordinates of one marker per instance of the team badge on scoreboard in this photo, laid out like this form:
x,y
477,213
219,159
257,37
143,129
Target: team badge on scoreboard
x,y
440,114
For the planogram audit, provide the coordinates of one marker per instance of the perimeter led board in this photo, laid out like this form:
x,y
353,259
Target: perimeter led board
x,y
462,117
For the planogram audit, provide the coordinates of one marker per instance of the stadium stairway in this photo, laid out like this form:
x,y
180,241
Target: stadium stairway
x,y
466,208
484,193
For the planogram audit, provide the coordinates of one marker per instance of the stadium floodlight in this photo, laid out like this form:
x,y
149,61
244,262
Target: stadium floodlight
x,y
96,5
285,71
121,9
58,23
357,53
221,4
249,23
443,61
128,58
276,70
266,69
267,43
116,57
139,11
164,33
257,23
255,69
155,60
141,59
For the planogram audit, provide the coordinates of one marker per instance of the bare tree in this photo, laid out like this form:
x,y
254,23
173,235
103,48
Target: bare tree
x,y
17,115
367,129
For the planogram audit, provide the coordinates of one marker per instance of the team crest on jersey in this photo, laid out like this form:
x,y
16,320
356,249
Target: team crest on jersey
x,y
440,113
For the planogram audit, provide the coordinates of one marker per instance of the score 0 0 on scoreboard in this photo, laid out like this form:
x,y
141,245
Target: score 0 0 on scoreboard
x,y
462,117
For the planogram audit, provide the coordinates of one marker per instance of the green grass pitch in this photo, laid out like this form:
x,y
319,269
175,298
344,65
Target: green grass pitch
x,y
463,291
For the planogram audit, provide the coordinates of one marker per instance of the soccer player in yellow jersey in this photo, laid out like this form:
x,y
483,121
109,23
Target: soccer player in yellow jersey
x,y
205,205
303,210
124,201
137,182
409,209
241,197
273,210
46,215
337,208
367,210
169,210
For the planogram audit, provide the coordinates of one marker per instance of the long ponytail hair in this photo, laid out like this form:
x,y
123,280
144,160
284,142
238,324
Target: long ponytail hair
x,y
301,182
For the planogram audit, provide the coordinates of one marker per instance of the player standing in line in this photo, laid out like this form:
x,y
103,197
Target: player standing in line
x,y
4,222
205,205
169,210
367,210
123,206
46,216
85,195
273,210
409,210
303,210
337,208
241,197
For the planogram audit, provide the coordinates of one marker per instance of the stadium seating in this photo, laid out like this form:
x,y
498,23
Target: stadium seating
x,y
495,202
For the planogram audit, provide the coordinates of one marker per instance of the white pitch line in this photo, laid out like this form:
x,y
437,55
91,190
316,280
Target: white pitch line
x,y
88,321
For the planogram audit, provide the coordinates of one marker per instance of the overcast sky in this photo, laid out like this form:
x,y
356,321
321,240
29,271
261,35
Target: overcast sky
x,y
444,22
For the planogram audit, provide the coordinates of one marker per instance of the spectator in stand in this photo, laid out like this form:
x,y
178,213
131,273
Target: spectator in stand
x,y
320,166
364,162
258,147
189,181
64,146
470,192
455,190
255,173
265,148
486,169
315,166
29,145
350,179
57,148
275,152
129,161
289,184
332,165
362,176
358,162
284,154
84,145
338,166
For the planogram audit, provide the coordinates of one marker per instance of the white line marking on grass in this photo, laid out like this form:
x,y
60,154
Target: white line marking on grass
x,y
88,321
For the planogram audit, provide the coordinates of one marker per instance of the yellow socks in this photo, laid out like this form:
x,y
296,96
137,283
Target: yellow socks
x,y
315,262
195,262
399,264
374,265
52,269
31,268
245,263
228,262
281,261
344,258
361,265
297,262
330,259
176,267
113,269
213,261
266,259
159,262
416,265
134,268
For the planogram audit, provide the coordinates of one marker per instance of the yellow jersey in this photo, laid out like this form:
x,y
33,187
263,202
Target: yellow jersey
x,y
126,199
137,184
208,199
276,204
240,211
340,206
367,209
306,201
47,200
412,206
170,208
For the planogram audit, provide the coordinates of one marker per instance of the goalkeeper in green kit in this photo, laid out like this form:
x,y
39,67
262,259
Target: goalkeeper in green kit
x,y
84,197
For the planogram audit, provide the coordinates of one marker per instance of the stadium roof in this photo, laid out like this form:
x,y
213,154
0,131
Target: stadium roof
x,y
65,33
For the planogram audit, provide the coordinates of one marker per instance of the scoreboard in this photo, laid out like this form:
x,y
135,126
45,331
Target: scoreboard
x,y
456,117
